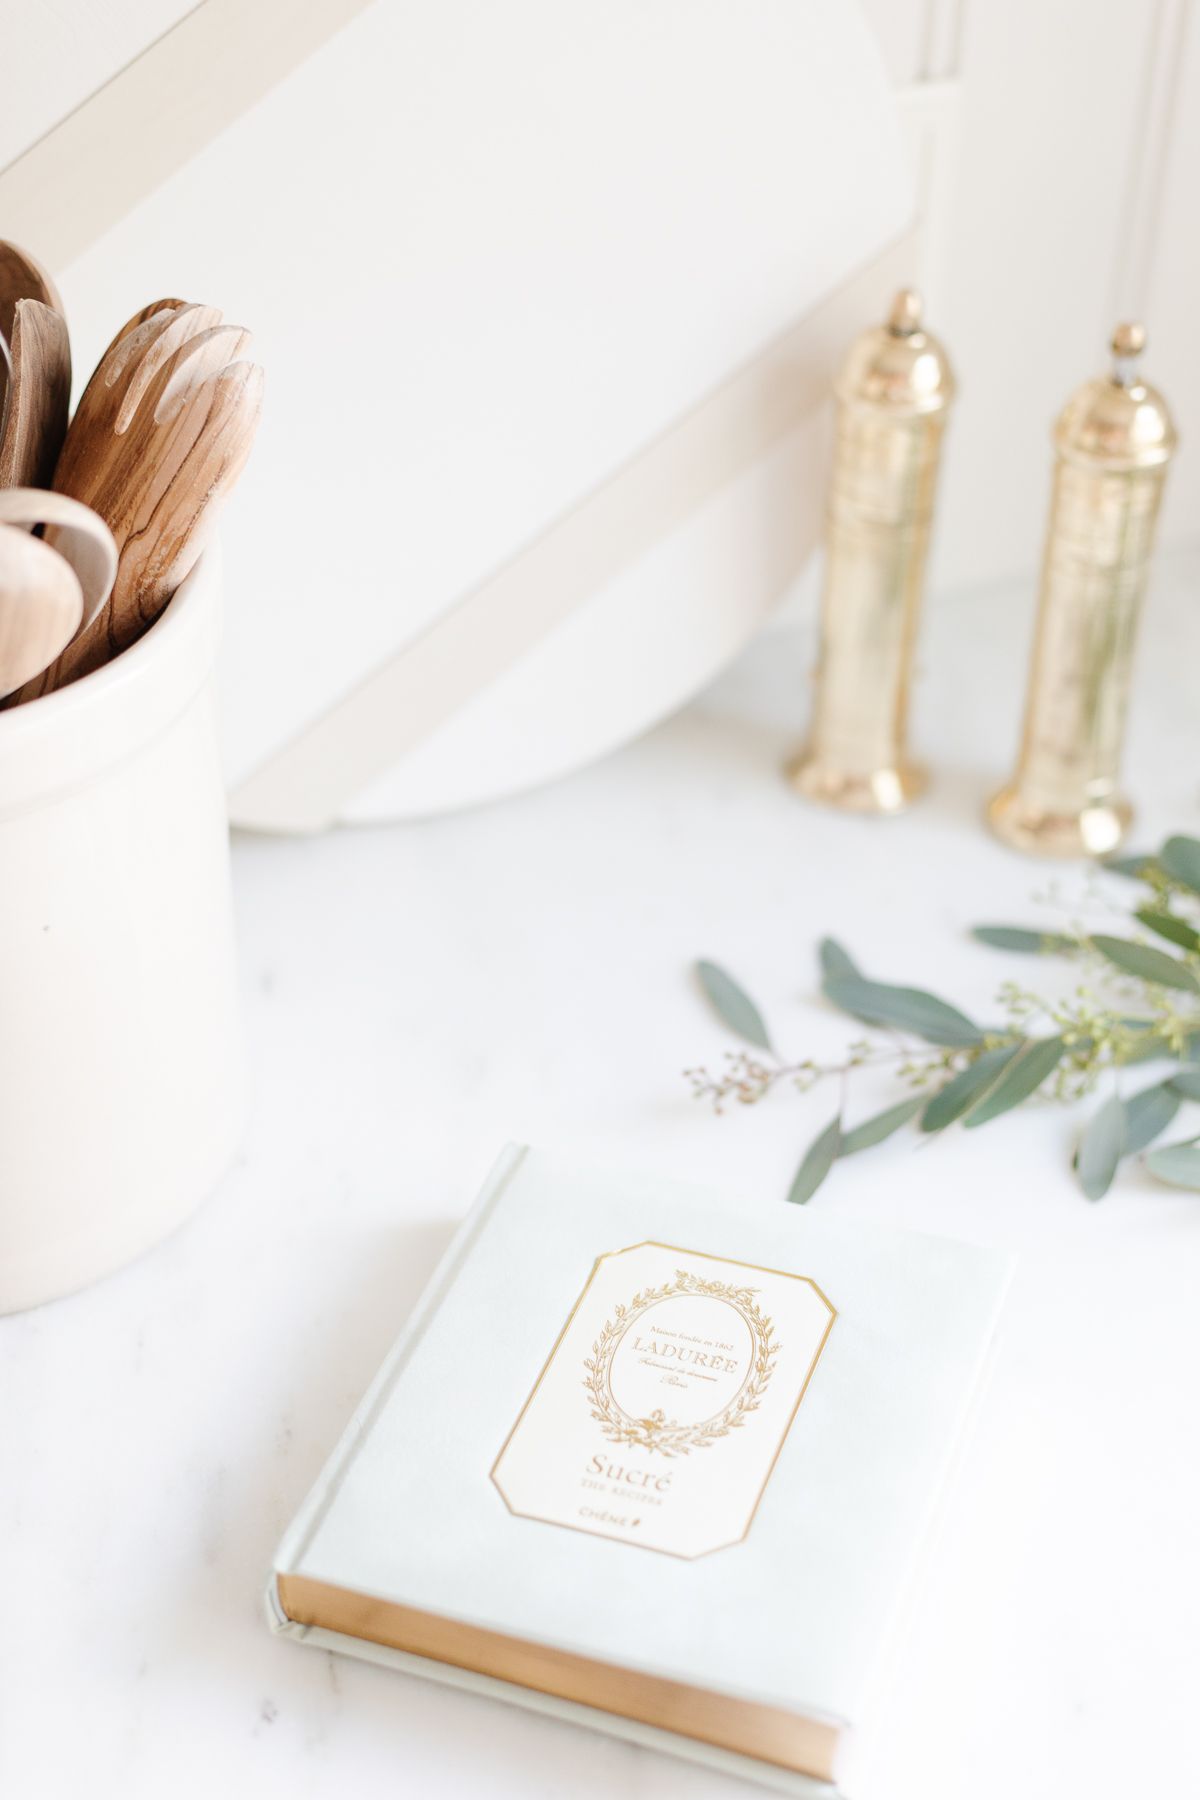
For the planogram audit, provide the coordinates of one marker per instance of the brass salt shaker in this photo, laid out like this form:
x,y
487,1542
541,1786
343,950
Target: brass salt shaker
x,y
1113,442
893,393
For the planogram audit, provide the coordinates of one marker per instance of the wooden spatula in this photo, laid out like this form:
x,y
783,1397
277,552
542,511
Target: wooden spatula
x,y
22,277
32,398
39,395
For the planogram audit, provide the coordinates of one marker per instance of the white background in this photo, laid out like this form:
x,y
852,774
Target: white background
x,y
417,997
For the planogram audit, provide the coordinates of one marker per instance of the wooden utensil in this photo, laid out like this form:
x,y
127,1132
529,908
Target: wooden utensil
x,y
78,534
22,277
159,484
166,498
121,377
140,317
159,437
38,398
120,440
41,604
35,388
5,381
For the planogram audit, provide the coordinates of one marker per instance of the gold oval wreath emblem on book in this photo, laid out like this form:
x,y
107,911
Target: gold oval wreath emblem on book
x,y
656,1432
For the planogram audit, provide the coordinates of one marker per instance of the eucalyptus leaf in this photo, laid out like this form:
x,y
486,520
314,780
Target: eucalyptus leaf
x,y
1101,1148
1185,1083
835,960
1020,938
1137,868
1023,1076
904,1009
1178,1164
1166,925
1148,1113
732,1005
1180,857
962,1090
819,1158
1147,963
874,1130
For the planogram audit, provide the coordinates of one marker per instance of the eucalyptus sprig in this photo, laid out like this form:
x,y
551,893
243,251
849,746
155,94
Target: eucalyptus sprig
x,y
955,1071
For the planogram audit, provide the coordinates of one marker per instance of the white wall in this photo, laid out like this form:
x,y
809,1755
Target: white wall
x,y
1065,199
63,51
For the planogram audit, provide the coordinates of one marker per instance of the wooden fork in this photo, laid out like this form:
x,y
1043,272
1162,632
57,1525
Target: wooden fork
x,y
159,487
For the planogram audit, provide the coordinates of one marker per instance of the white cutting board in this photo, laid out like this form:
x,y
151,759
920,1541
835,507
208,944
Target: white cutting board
x,y
490,254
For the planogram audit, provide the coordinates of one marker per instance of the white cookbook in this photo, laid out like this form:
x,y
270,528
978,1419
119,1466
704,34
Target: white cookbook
x,y
654,1459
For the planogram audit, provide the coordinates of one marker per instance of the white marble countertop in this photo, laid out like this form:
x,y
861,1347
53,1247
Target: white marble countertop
x,y
417,996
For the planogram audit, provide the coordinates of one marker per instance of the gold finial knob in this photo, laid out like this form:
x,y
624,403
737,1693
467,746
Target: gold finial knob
x,y
905,316
1128,342
1129,339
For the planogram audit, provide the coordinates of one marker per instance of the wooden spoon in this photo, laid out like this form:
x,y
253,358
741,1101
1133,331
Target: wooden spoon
x,y
41,604
79,535
39,396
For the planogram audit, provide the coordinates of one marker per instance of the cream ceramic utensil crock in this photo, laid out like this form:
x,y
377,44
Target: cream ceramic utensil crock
x,y
122,1086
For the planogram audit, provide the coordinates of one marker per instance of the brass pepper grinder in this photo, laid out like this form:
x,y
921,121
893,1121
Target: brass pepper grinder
x,y
1113,441
893,393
